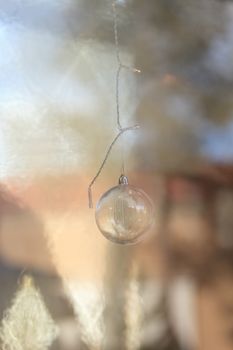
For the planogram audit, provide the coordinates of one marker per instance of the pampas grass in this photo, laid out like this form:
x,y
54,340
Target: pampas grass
x,y
27,324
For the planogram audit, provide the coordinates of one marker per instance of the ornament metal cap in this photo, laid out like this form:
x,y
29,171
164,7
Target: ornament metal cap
x,y
123,180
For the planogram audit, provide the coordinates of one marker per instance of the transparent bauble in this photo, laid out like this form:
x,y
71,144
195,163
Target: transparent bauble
x,y
124,214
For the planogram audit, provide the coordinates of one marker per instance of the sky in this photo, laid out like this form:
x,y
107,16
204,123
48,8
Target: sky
x,y
47,75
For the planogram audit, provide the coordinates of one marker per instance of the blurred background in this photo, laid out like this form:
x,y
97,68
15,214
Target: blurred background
x,y
173,291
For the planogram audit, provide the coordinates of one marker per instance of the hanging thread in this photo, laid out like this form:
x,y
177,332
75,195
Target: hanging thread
x,y
121,130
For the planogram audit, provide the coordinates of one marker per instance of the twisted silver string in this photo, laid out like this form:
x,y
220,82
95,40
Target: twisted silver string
x,y
121,130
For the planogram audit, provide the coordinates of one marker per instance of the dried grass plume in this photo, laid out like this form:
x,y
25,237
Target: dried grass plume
x,y
27,324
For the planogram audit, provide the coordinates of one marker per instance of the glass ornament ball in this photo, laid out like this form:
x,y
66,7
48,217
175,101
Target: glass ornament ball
x,y
124,213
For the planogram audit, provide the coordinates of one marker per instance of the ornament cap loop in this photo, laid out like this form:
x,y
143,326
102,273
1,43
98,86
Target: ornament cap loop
x,y
123,180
